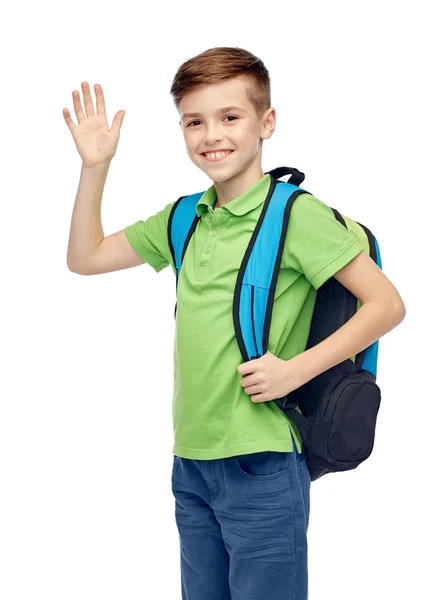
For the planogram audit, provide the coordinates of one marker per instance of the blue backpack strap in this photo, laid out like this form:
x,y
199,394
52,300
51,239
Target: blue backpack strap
x,y
367,359
256,281
257,278
181,225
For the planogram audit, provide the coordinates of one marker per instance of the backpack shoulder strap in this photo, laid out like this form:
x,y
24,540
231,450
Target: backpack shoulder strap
x,y
181,225
257,277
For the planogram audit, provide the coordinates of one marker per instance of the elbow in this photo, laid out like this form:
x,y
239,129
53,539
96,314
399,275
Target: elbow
x,y
74,270
401,310
397,312
391,314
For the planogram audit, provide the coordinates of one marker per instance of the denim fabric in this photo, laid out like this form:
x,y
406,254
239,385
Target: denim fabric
x,y
242,524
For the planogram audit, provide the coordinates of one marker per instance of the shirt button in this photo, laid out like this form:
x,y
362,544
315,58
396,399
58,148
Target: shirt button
x,y
212,233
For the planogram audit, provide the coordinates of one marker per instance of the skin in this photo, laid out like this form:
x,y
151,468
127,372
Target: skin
x,y
244,134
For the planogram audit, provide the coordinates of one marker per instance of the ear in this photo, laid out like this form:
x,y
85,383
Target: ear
x,y
269,124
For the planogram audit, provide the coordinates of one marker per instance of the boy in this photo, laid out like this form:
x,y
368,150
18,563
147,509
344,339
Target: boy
x,y
240,479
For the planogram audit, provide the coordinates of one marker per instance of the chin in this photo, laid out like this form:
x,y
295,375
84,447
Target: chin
x,y
224,178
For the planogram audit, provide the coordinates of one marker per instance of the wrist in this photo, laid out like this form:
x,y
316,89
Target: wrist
x,y
97,167
299,365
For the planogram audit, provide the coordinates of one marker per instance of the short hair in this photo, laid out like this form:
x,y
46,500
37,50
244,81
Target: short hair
x,y
220,64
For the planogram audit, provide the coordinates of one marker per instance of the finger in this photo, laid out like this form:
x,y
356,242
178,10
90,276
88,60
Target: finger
x,y
68,119
99,99
250,379
89,107
78,107
253,389
117,120
248,367
258,398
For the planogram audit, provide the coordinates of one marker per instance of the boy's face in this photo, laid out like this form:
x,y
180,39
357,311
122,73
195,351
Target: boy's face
x,y
236,129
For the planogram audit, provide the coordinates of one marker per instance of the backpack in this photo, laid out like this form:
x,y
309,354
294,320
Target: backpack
x,y
335,412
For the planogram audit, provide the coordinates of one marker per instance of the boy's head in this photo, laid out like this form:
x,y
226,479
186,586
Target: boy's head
x,y
216,79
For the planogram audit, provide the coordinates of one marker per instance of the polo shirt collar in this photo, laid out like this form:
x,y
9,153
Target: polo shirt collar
x,y
242,204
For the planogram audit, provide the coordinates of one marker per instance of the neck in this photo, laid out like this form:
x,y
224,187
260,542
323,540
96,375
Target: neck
x,y
231,188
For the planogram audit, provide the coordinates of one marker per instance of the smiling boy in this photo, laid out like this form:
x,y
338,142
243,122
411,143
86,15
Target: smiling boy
x,y
239,478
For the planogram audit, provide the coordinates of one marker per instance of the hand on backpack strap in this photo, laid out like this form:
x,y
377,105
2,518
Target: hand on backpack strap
x,y
269,377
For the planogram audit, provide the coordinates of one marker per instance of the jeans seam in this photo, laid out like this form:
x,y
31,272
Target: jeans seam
x,y
301,483
295,534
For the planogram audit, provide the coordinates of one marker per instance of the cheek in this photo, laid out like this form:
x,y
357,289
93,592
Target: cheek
x,y
190,146
245,138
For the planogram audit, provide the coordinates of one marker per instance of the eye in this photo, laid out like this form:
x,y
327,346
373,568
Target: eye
x,y
227,117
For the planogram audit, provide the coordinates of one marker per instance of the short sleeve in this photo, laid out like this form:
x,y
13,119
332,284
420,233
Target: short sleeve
x,y
149,239
317,245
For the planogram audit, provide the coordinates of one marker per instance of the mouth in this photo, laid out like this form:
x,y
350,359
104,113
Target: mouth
x,y
217,159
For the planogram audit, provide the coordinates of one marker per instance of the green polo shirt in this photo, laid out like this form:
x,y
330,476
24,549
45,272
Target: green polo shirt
x,y
213,417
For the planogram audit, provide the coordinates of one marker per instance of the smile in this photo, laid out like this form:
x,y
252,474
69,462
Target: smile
x,y
217,158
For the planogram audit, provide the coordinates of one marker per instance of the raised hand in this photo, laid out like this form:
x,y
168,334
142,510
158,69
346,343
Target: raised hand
x,y
95,142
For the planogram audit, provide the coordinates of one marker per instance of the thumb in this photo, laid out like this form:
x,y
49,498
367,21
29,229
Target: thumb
x,y
117,121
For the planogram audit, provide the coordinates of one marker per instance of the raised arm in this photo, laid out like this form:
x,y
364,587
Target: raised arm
x,y
89,252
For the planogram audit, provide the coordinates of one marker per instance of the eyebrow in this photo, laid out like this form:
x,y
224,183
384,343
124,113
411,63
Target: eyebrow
x,y
220,110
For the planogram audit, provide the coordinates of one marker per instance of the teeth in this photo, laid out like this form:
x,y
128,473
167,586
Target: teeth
x,y
216,154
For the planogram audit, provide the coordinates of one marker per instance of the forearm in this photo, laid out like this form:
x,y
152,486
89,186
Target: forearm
x,y
86,231
369,324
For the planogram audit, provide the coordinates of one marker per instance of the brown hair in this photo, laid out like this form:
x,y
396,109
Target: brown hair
x,y
220,64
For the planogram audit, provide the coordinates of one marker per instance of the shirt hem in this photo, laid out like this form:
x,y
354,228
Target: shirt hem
x,y
229,451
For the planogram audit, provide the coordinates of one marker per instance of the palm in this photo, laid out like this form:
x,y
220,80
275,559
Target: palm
x,y
94,140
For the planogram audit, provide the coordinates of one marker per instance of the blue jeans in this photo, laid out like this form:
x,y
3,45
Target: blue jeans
x,y
242,525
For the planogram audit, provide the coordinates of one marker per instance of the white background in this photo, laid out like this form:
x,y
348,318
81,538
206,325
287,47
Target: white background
x,y
86,437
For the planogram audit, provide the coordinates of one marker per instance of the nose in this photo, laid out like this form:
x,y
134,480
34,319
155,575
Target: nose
x,y
212,136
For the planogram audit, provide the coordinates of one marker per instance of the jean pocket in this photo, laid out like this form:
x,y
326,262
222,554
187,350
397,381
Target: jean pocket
x,y
263,465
